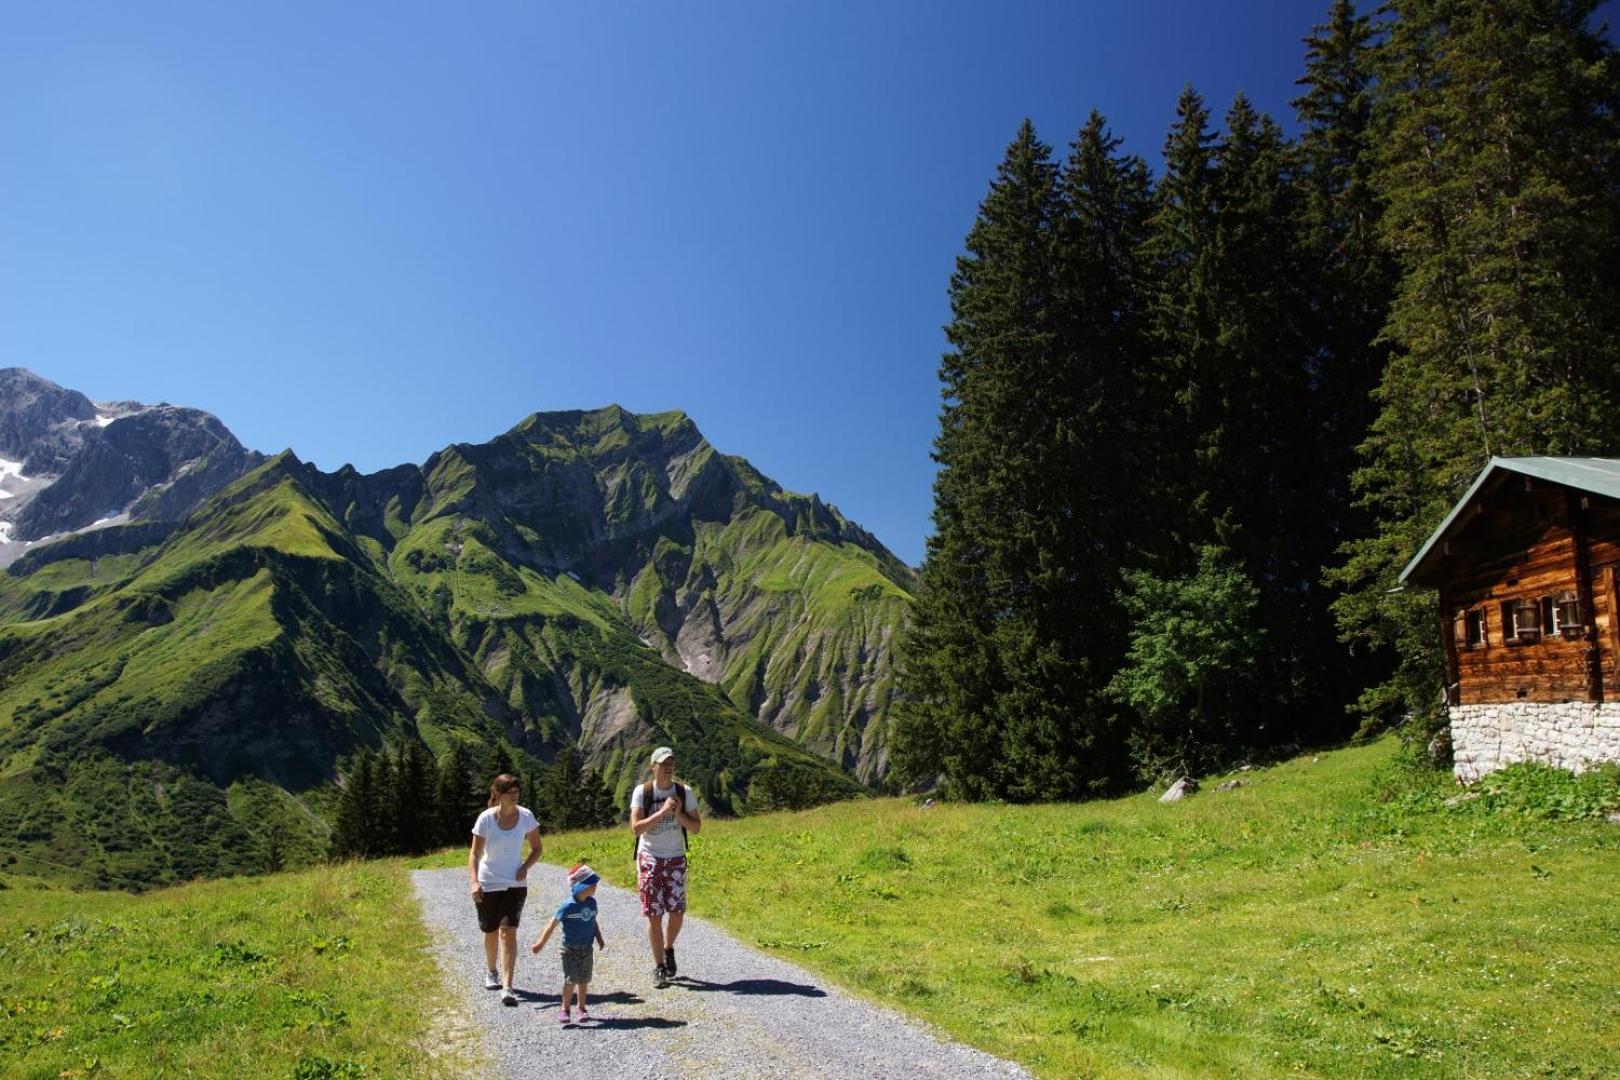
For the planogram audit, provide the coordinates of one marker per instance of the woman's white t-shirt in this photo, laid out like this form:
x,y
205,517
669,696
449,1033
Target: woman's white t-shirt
x,y
663,840
503,849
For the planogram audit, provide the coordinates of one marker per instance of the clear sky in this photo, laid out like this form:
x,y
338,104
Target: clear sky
x,y
366,231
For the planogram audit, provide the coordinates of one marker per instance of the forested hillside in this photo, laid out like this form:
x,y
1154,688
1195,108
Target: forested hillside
x,y
1197,418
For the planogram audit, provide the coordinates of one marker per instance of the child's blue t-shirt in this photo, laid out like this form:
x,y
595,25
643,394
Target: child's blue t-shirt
x,y
578,918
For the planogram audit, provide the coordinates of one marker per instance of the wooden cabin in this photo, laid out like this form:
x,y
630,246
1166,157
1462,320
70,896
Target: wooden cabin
x,y
1527,567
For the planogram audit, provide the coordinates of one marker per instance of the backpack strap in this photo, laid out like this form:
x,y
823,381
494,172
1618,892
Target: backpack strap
x,y
680,793
646,808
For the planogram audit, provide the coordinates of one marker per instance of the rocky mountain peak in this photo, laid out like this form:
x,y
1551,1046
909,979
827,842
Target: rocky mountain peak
x,y
32,407
71,463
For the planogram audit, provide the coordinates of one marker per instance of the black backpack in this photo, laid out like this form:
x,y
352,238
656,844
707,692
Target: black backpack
x,y
646,801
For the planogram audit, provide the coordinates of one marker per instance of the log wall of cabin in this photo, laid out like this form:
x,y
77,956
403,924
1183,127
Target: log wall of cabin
x,y
1520,544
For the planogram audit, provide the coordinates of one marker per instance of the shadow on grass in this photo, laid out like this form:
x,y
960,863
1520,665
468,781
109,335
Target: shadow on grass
x,y
753,986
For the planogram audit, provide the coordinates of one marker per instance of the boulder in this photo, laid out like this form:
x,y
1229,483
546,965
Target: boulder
x,y
1179,790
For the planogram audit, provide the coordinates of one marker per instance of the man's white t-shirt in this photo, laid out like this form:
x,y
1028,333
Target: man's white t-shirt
x,y
503,849
663,840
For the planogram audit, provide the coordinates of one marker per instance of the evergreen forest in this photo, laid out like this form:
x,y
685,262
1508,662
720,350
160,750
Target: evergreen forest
x,y
1196,418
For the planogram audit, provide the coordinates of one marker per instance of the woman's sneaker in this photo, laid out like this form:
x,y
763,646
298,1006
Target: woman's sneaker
x,y
669,960
507,997
660,977
492,981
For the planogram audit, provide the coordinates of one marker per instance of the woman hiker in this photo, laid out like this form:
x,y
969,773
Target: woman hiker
x,y
661,856
498,873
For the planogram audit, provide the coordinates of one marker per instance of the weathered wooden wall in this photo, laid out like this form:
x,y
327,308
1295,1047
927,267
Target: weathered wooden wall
x,y
1521,542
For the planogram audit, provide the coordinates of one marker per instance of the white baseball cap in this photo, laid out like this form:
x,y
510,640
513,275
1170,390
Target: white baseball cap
x,y
663,753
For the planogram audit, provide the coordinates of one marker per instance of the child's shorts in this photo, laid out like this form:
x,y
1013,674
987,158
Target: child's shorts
x,y
577,964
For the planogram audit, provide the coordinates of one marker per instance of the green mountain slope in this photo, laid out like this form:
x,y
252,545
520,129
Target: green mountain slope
x,y
176,699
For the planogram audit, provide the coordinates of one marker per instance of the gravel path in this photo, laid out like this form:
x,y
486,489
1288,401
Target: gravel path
x,y
733,1012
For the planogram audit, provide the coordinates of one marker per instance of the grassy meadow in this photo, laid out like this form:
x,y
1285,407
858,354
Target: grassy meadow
x,y
1331,917
311,975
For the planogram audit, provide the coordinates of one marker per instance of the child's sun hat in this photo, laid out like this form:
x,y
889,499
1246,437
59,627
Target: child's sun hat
x,y
581,878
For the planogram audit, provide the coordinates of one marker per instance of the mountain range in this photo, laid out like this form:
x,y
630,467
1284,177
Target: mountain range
x,y
187,622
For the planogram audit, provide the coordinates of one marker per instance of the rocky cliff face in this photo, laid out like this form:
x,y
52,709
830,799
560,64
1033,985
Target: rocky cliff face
x,y
67,463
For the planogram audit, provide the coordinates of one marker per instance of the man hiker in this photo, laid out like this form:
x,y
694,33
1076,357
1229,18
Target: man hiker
x,y
662,812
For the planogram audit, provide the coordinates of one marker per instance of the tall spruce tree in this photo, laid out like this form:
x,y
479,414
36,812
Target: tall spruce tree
x,y
1352,279
1499,166
354,834
1106,198
999,698
461,798
415,794
1181,331
1230,364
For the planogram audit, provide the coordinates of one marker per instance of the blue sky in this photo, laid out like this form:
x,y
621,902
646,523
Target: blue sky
x,y
367,231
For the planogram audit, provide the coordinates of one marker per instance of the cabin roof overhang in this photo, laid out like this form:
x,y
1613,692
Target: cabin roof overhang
x,y
1597,476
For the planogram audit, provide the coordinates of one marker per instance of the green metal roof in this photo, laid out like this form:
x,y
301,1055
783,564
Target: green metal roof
x,y
1600,476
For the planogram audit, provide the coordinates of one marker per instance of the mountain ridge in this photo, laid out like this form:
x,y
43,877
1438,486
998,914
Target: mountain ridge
x,y
590,578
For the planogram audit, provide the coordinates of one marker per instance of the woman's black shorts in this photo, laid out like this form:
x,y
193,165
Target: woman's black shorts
x,y
503,907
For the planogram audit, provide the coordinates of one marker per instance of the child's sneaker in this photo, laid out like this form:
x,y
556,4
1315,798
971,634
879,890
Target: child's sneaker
x,y
507,997
583,1015
564,1019
669,960
492,981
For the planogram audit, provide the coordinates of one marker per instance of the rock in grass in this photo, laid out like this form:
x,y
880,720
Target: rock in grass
x,y
1180,790
1230,785
1613,819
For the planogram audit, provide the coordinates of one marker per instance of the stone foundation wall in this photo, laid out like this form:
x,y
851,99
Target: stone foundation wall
x,y
1568,734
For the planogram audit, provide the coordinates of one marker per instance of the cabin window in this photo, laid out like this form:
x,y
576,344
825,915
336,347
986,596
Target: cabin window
x,y
1521,621
1561,615
1567,611
1473,628
1550,616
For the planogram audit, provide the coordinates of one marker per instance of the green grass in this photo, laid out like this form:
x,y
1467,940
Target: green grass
x,y
1308,923
323,973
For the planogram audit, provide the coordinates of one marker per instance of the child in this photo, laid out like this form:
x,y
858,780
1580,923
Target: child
x,y
578,918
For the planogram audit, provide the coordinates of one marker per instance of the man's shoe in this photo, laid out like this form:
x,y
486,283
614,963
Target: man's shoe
x,y
660,977
669,960
492,981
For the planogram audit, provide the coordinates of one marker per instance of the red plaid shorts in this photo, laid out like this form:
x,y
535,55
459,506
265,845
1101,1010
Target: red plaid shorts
x,y
661,883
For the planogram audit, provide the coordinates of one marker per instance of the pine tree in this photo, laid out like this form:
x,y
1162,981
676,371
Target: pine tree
x,y
416,803
1229,379
1351,279
560,790
383,827
1004,668
1181,331
460,797
351,835
967,637
1499,168
598,808
497,761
